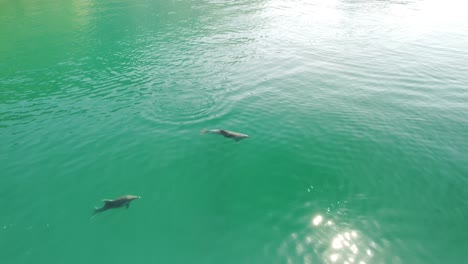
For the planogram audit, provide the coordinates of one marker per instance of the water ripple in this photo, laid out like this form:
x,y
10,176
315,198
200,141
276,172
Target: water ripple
x,y
324,238
181,107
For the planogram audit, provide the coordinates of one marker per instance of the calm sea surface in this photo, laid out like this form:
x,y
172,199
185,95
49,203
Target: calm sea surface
x,y
357,113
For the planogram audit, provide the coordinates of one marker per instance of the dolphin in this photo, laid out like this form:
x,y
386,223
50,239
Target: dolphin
x,y
226,133
116,203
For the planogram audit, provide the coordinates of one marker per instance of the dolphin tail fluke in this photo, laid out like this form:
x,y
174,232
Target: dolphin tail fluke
x,y
203,131
97,210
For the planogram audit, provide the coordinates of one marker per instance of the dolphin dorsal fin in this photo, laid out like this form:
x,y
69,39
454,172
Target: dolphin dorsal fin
x,y
107,200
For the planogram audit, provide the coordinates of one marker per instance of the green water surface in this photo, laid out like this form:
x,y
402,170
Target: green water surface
x,y
357,113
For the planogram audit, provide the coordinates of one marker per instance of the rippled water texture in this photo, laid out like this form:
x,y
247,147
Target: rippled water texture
x,y
357,113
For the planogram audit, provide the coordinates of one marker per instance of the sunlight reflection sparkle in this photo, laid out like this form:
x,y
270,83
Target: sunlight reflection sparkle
x,y
331,241
317,220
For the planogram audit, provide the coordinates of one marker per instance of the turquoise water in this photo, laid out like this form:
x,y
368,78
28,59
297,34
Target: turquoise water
x,y
357,113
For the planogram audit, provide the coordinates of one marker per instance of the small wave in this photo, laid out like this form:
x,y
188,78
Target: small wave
x,y
325,239
180,107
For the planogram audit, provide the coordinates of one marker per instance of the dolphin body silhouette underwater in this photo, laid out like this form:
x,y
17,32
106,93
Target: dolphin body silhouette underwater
x,y
116,203
225,133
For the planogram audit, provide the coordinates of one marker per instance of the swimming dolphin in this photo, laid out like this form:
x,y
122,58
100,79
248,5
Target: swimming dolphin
x,y
226,133
116,203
